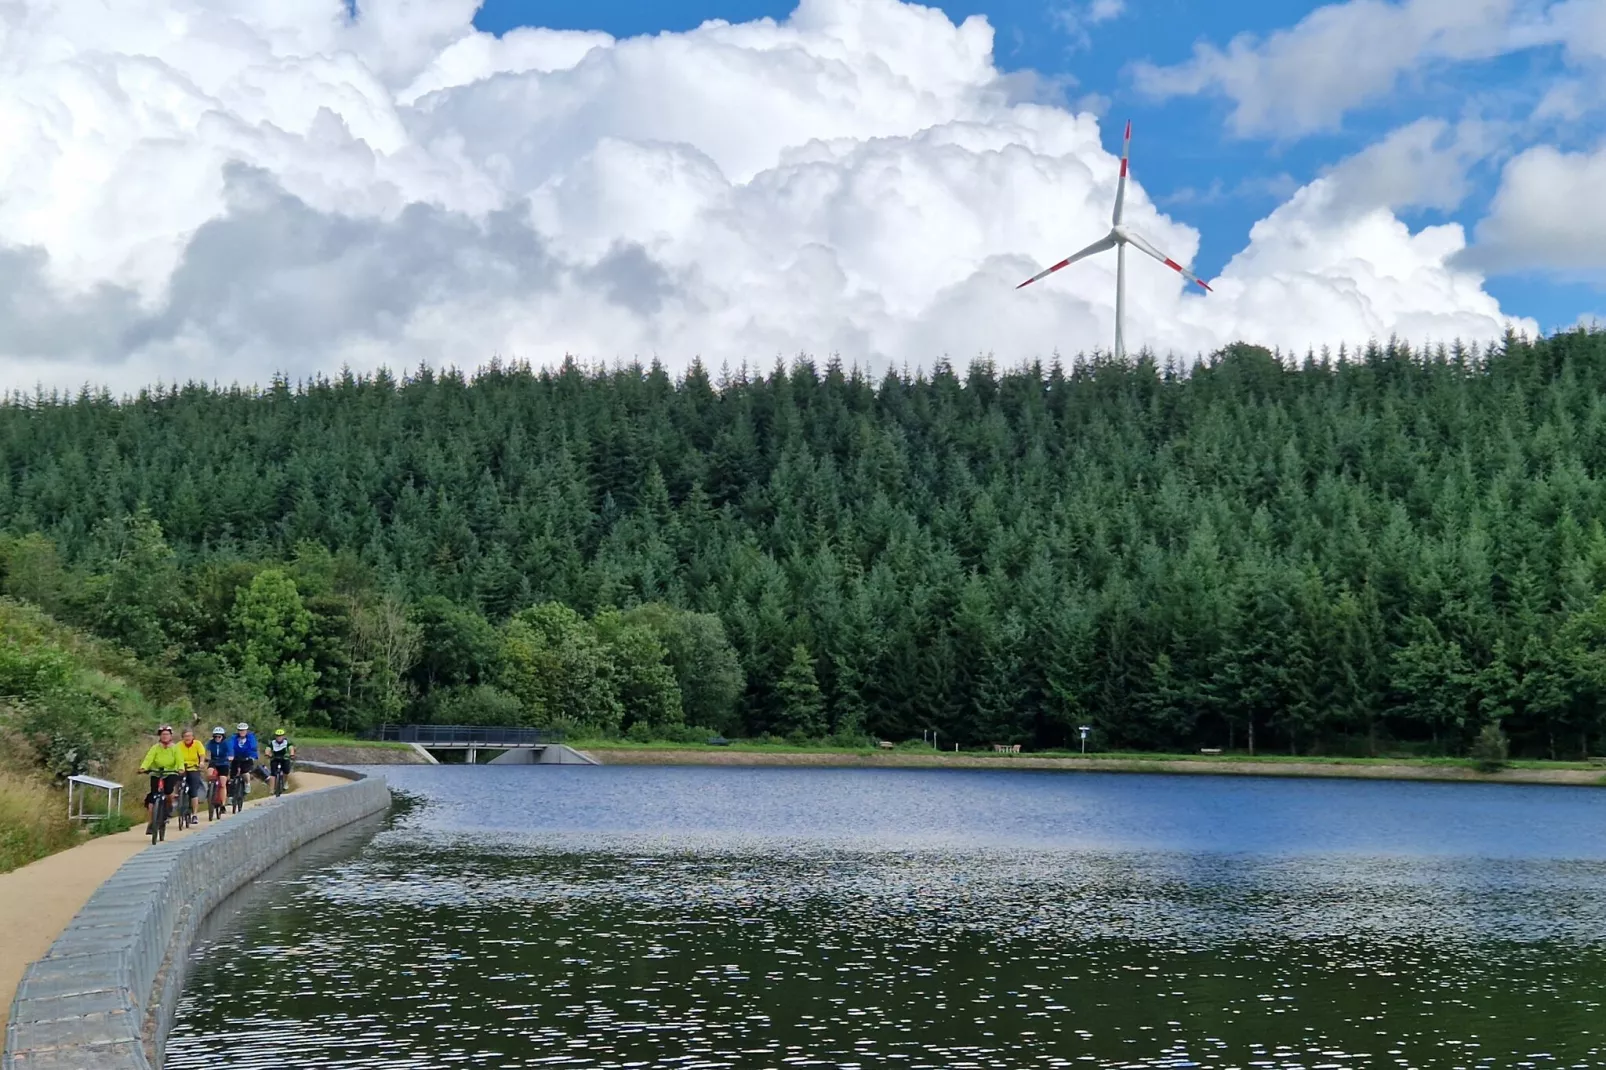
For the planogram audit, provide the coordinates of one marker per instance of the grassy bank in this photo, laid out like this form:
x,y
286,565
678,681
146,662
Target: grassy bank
x,y
326,740
69,703
614,752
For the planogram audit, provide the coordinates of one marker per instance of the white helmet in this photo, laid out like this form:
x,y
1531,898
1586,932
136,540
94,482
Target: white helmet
x,y
242,726
218,731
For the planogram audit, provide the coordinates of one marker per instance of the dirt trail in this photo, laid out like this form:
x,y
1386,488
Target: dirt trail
x,y
42,897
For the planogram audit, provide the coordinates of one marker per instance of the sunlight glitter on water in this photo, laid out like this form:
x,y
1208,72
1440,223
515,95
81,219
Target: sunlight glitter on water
x,y
788,938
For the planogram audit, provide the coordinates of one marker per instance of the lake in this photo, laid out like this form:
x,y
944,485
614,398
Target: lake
x,y
630,916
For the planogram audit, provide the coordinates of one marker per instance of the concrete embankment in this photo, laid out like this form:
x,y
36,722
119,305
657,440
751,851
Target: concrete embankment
x,y
335,754
1314,767
103,994
417,754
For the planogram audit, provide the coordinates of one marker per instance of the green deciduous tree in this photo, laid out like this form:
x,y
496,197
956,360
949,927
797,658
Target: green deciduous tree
x,y
553,662
647,692
271,627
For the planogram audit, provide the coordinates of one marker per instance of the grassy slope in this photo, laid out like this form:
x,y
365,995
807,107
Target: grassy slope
x,y
327,740
32,806
1274,764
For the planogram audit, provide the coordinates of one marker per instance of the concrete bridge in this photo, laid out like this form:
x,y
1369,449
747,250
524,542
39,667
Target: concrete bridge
x,y
515,746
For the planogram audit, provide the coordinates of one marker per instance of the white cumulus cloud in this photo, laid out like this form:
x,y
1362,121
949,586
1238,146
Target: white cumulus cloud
x,y
1548,215
220,189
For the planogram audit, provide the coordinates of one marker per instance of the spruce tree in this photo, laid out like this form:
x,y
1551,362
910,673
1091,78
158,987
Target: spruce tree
x,y
802,706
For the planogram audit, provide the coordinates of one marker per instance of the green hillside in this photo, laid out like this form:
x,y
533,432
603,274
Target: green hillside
x,y
1380,551
68,704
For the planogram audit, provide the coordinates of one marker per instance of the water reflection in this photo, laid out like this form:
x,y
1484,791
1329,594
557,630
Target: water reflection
x,y
689,918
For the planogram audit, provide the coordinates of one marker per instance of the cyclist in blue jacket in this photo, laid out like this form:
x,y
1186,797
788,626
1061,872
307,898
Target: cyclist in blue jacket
x,y
243,753
217,762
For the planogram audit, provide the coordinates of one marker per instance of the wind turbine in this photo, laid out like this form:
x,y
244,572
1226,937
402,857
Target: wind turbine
x,y
1118,239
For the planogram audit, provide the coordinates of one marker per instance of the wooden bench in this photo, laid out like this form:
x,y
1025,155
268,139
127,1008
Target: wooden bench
x,y
1006,748
1209,750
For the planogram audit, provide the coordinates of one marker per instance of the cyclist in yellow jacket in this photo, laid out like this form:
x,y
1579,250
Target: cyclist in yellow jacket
x,y
194,754
164,763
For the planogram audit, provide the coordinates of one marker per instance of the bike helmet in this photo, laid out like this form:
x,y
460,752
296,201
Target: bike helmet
x,y
164,728
243,727
218,731
279,732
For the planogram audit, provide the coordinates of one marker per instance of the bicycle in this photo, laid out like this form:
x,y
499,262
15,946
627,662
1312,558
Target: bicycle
x,y
216,802
159,818
278,782
185,806
237,791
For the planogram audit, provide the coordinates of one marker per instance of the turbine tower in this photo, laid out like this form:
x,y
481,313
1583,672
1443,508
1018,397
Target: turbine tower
x,y
1118,239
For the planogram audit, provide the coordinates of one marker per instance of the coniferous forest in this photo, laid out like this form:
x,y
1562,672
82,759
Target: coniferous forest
x,y
1352,553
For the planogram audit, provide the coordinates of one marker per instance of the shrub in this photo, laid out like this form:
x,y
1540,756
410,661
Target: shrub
x,y
642,732
1489,750
688,733
111,824
481,704
71,730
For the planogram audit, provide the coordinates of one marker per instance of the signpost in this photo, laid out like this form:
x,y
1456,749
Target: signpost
x,y
1083,730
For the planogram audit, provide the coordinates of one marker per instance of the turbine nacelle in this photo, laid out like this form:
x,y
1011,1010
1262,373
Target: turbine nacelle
x,y
1118,239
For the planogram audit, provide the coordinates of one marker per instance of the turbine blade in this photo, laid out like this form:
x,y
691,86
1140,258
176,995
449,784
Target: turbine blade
x,y
1106,242
1120,187
1166,260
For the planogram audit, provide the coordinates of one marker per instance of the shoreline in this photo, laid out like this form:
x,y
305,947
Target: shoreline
x,y
1181,766
47,893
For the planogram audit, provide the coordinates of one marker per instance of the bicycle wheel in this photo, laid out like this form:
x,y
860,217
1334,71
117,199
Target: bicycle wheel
x,y
158,818
278,785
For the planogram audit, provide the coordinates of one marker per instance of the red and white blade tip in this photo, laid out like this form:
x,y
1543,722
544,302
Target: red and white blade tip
x,y
1179,269
1045,271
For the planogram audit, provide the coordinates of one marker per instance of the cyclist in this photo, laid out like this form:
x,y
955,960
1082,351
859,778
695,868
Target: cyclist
x,y
243,753
194,755
280,751
164,763
217,759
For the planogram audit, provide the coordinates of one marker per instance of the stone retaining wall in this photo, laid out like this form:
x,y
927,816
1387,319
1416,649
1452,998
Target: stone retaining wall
x,y
337,755
103,996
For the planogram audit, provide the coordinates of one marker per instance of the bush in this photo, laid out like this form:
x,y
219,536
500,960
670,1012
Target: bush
x,y
642,732
481,704
1489,750
71,730
111,824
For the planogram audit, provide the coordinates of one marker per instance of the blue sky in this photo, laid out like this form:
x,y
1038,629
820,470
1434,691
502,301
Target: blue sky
x,y
1194,165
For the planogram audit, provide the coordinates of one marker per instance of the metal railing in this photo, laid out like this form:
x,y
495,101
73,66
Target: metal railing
x,y
456,735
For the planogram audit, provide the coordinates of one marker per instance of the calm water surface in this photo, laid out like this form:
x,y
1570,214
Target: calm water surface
x,y
698,917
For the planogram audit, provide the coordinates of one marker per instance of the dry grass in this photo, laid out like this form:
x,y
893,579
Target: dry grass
x,y
33,809
33,820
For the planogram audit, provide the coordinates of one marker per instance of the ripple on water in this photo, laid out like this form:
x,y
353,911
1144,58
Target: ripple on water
x,y
439,945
